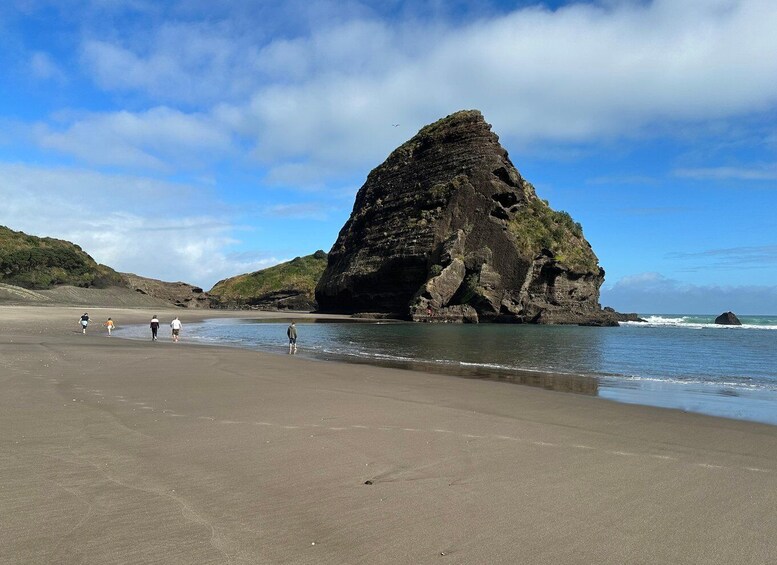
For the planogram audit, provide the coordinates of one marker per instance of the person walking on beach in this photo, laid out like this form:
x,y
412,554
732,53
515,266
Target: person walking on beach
x,y
154,327
176,326
84,322
110,325
291,331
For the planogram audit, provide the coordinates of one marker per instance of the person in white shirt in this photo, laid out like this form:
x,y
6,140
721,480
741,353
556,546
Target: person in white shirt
x,y
176,325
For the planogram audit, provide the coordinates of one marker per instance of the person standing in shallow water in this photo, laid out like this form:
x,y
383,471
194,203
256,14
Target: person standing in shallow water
x,y
84,322
154,327
175,325
292,333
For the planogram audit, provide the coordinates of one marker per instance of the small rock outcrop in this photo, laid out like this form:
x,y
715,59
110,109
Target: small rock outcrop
x,y
624,317
446,229
728,319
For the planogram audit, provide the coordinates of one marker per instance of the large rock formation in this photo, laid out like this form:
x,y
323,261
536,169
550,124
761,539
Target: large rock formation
x,y
446,229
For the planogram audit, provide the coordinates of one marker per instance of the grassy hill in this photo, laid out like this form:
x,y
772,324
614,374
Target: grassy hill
x,y
288,285
48,270
44,262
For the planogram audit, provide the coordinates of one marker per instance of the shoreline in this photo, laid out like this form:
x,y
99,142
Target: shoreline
x,y
119,451
548,380
691,396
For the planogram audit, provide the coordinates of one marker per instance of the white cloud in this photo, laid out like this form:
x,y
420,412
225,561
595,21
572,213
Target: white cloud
x,y
312,211
160,138
578,74
763,256
187,63
652,293
44,68
764,172
323,103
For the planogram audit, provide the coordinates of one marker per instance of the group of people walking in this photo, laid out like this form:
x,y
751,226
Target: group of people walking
x,y
110,325
175,328
84,323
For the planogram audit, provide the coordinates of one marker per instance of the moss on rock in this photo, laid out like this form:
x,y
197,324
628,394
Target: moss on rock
x,y
536,227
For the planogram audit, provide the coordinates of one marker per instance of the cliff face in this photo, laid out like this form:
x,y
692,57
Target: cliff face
x,y
446,229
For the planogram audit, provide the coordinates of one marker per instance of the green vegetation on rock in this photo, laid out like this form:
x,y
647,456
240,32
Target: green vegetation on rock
x,y
296,277
43,262
536,227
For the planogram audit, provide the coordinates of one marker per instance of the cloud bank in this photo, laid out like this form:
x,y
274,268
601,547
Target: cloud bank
x,y
325,100
652,293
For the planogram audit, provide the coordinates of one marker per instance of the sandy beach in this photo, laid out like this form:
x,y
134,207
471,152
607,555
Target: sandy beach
x,y
118,451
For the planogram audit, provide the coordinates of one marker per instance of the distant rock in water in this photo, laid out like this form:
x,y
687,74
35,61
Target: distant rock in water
x,y
287,286
446,229
728,319
624,317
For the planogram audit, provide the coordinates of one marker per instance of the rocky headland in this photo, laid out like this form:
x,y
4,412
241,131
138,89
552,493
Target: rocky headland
x,y
446,229
287,286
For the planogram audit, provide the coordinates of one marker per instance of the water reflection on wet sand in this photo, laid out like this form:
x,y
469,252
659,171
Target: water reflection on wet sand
x,y
579,384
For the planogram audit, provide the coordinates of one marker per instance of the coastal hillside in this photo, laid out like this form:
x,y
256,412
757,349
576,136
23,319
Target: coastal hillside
x,y
447,229
65,295
289,285
54,271
136,292
42,263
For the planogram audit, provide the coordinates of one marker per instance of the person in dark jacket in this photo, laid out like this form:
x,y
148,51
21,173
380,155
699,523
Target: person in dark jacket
x,y
292,333
154,327
84,322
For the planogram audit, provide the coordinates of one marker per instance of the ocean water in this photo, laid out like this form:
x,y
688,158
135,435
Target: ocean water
x,y
672,361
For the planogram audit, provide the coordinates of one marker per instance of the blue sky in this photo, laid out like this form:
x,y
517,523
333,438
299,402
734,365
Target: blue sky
x,y
194,140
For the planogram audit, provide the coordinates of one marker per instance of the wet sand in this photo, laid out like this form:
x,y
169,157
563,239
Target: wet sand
x,y
119,451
